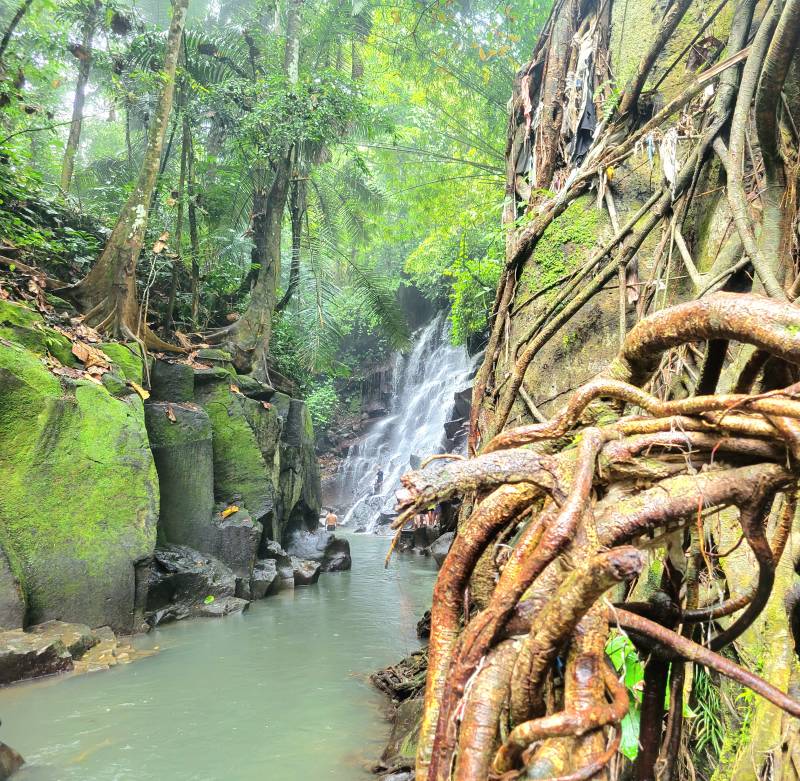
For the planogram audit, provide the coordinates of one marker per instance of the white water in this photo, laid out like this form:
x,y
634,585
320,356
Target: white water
x,y
424,384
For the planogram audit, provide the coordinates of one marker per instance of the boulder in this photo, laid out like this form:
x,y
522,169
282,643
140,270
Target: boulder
x,y
12,597
77,638
171,382
300,489
440,548
332,552
181,580
222,607
127,361
235,544
365,512
25,655
180,438
265,578
306,572
283,562
22,326
240,470
424,536
79,493
10,761
266,425
402,746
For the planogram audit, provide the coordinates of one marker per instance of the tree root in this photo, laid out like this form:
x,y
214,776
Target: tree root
x,y
496,704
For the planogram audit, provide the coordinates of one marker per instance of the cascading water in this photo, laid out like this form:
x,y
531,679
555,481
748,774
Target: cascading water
x,y
423,396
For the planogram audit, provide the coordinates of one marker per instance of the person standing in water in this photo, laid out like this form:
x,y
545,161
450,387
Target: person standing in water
x,y
331,519
378,481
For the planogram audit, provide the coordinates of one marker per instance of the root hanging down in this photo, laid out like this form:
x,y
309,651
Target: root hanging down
x,y
524,686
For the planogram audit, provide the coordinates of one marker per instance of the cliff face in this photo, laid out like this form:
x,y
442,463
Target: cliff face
x,y
84,501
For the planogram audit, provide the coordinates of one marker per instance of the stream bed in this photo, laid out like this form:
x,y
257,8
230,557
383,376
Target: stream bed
x,y
280,692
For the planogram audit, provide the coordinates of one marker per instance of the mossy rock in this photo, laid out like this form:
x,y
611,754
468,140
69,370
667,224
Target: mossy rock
x,y
21,325
240,471
300,492
180,437
128,359
267,426
172,382
213,355
79,503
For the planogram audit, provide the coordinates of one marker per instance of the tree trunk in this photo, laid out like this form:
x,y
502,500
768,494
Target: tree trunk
x,y
194,238
178,261
108,292
250,335
248,339
15,20
297,208
291,55
84,55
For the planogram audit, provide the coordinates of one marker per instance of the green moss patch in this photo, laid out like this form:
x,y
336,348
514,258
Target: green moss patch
x,y
80,493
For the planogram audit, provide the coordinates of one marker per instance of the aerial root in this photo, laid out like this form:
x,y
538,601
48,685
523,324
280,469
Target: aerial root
x,y
579,505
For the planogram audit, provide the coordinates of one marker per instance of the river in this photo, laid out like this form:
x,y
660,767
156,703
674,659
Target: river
x,y
280,692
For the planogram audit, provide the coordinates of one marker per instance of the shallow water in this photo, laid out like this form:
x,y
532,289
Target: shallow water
x,y
277,694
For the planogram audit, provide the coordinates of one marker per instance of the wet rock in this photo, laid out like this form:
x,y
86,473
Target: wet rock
x,y
306,572
332,552
440,548
109,652
171,382
12,597
300,488
425,536
10,761
235,544
25,655
240,469
403,775
402,747
74,522
424,626
283,562
365,512
77,638
265,579
181,579
180,438
222,607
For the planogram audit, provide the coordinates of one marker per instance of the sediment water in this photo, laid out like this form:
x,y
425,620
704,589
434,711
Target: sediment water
x,y
279,693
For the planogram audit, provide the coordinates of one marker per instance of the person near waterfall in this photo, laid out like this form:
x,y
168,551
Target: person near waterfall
x,y
376,489
331,519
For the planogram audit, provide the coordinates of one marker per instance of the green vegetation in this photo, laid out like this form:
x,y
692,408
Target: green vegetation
x,y
316,160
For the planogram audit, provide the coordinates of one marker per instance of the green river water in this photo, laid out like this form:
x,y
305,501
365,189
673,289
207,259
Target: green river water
x,y
279,693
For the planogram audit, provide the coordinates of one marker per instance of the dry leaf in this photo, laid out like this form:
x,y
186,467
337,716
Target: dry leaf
x,y
235,389
161,242
183,340
266,405
230,511
171,413
90,356
140,390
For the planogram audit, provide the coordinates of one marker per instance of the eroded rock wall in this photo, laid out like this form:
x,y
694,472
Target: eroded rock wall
x,y
92,475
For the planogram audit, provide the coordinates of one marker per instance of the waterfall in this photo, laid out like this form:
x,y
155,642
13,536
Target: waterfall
x,y
424,385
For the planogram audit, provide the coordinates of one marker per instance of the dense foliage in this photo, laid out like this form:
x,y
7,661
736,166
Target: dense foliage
x,y
394,120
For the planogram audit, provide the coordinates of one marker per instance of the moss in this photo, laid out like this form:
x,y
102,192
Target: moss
x,y
21,325
128,358
239,466
561,247
18,314
80,493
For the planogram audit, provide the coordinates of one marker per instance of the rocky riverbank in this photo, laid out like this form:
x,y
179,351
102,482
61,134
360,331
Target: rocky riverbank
x,y
139,491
